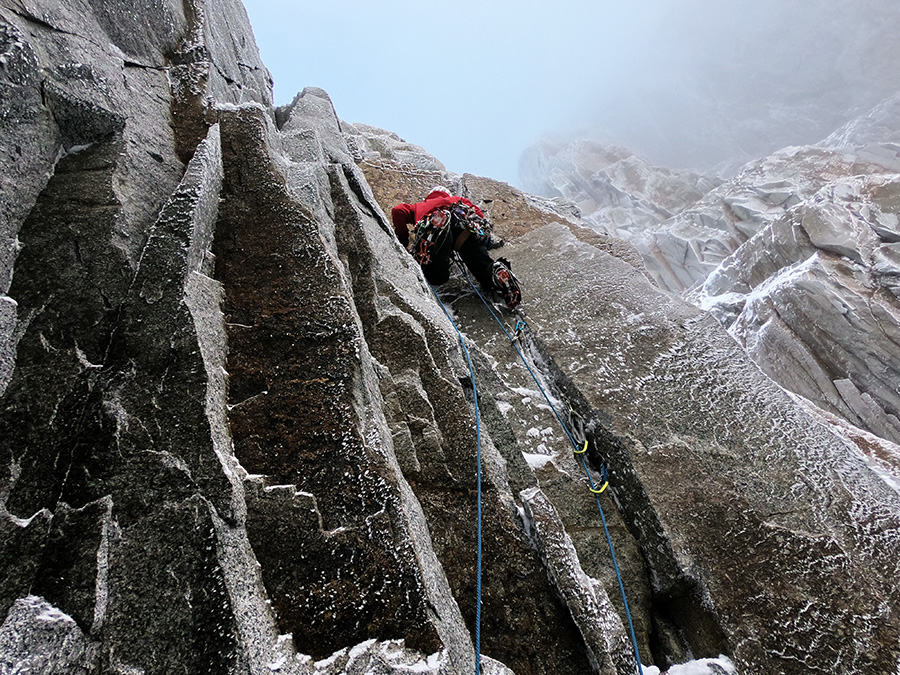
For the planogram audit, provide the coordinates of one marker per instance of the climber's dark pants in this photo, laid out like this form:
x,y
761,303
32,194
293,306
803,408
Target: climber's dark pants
x,y
472,252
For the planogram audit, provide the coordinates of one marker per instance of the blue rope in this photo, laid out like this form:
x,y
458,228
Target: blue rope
x,y
478,438
612,553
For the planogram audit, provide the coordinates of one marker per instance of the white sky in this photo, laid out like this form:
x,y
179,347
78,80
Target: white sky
x,y
476,81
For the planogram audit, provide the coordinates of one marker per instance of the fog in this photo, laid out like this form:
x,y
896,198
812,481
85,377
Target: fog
x,y
721,83
688,83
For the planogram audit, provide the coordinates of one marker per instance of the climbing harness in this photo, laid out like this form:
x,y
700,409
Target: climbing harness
x,y
579,449
478,473
426,234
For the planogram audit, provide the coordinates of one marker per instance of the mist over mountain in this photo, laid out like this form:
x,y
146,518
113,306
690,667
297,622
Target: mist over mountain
x,y
718,84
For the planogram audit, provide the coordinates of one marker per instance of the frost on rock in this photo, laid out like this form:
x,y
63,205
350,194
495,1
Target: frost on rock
x,y
36,637
797,253
228,392
812,298
373,145
590,607
722,475
718,666
389,657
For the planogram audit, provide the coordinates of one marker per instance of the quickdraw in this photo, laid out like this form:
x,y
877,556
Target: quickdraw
x,y
604,478
426,234
580,449
519,330
576,424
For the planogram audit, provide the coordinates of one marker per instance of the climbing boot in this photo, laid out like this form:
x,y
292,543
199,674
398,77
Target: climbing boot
x,y
506,283
493,241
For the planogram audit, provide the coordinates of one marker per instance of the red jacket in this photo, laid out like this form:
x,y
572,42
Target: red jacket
x,y
404,215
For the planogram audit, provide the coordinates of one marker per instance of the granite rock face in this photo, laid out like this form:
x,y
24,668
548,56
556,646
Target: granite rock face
x,y
814,298
368,143
796,255
813,293
753,506
112,481
732,506
238,434
38,638
234,437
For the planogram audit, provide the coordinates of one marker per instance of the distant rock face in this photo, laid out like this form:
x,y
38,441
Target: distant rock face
x,y
728,86
618,191
815,298
814,292
621,194
875,131
238,435
796,255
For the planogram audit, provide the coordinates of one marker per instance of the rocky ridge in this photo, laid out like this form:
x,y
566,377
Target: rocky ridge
x,y
237,434
796,256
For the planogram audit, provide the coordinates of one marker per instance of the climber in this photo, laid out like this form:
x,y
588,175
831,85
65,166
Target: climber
x,y
432,229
